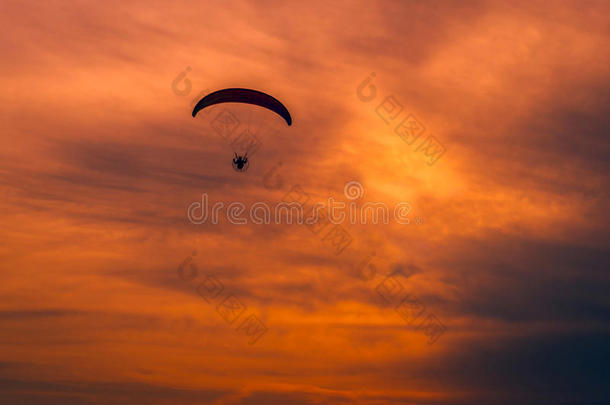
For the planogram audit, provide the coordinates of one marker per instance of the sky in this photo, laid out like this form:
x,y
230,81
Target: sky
x,y
495,291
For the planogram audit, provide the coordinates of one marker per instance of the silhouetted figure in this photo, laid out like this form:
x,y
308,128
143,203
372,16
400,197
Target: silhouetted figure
x,y
240,163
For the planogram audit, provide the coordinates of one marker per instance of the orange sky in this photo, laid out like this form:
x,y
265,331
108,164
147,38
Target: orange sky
x,y
100,157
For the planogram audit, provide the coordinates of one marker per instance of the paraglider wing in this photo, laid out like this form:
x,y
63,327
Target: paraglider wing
x,y
246,96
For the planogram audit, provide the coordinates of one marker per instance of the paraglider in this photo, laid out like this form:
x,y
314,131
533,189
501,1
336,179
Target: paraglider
x,y
240,163
246,96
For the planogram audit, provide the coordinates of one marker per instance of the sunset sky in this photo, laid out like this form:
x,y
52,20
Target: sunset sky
x,y
509,234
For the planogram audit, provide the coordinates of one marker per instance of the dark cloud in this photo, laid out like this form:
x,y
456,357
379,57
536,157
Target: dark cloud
x,y
33,314
81,393
521,280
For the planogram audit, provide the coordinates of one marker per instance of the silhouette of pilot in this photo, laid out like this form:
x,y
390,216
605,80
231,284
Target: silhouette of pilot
x,y
240,163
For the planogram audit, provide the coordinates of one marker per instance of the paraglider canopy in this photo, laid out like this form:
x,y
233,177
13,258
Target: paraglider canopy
x,y
247,96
